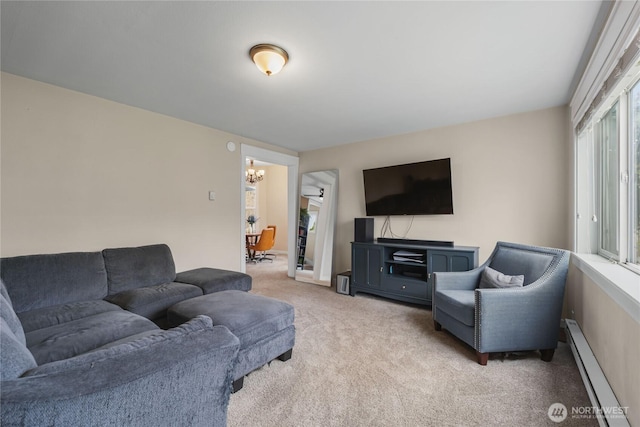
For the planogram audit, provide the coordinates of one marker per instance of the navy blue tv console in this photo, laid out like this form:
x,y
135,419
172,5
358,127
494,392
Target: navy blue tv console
x,y
403,271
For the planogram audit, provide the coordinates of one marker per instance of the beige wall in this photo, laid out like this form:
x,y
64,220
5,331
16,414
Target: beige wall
x,y
277,199
510,181
82,173
612,334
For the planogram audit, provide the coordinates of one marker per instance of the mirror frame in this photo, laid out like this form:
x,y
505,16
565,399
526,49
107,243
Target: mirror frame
x,y
322,271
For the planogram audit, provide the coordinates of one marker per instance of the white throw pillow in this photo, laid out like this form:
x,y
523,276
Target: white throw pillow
x,y
494,279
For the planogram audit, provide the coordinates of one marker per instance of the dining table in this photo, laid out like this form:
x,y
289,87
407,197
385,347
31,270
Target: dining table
x,y
251,240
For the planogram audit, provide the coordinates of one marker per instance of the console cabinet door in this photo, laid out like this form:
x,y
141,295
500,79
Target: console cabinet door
x,y
366,266
443,260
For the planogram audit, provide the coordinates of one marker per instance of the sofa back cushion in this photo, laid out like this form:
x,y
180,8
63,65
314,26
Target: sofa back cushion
x,y
36,281
15,358
132,268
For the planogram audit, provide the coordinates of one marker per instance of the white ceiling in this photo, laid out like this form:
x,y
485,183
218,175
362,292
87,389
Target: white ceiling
x,y
358,70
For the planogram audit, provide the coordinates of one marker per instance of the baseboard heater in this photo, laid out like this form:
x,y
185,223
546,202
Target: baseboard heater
x,y
607,408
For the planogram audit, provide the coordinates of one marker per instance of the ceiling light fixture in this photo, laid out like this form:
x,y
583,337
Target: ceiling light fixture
x,y
269,58
252,176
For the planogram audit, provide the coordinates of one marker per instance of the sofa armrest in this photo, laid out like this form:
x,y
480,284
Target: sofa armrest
x,y
175,377
214,279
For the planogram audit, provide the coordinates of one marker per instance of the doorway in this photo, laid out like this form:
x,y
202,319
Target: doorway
x,y
291,162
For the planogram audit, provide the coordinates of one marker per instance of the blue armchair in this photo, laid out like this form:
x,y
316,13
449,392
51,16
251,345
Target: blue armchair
x,y
497,316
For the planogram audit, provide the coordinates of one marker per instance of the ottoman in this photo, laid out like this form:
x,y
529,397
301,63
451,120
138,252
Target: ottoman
x,y
263,325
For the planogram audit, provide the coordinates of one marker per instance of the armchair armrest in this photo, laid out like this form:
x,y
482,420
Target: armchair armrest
x,y
457,280
503,314
452,280
175,377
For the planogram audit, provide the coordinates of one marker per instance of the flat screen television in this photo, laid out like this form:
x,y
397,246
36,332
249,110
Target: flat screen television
x,y
422,188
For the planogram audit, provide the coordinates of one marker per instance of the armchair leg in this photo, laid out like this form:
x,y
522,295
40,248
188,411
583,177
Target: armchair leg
x,y
482,358
547,355
286,355
437,326
237,384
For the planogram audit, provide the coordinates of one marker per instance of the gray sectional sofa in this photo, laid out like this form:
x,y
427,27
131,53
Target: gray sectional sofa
x,y
83,341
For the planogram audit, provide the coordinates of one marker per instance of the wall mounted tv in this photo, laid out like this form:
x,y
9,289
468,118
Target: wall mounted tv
x,y
422,188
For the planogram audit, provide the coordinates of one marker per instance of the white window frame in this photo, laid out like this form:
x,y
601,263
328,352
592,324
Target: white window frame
x,y
601,179
626,194
630,180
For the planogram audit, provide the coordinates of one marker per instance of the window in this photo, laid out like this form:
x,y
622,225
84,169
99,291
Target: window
x,y
251,207
634,175
608,179
608,142
586,204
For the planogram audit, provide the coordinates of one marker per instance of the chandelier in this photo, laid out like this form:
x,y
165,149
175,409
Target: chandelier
x,y
252,176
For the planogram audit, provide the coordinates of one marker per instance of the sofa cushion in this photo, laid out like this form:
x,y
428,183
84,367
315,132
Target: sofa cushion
x,y
36,281
491,278
215,280
15,357
11,320
131,268
129,339
41,318
152,302
459,304
79,336
138,343
195,324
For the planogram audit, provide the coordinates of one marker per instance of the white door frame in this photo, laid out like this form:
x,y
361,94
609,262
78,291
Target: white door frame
x,y
291,162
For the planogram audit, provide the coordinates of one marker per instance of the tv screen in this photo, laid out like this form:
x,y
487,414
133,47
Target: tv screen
x,y
422,188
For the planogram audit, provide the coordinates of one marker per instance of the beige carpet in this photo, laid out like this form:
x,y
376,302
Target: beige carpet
x,y
367,361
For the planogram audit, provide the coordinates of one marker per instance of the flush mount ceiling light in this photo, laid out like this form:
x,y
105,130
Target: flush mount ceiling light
x,y
269,58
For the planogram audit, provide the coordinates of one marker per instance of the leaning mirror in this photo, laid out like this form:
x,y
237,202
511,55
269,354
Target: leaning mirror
x,y
316,226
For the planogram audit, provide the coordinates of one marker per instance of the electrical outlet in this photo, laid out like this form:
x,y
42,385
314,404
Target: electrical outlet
x,y
212,195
